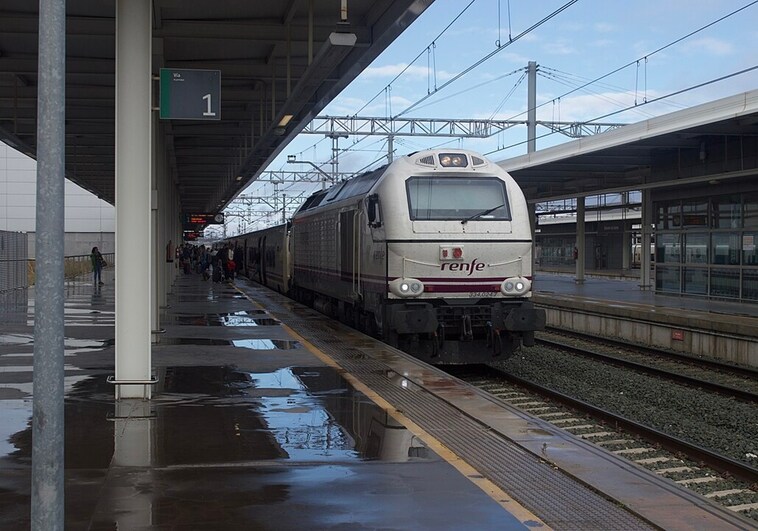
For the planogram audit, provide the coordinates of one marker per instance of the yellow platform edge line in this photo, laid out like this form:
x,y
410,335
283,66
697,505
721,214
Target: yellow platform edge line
x,y
493,491
498,495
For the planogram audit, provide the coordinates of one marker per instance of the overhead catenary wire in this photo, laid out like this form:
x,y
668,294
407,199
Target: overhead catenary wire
x,y
658,50
488,56
459,15
648,102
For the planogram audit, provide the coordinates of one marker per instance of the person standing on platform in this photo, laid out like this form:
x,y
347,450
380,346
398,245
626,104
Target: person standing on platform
x,y
97,265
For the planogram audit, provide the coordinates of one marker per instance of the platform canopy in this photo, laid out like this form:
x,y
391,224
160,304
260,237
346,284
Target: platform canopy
x,y
280,63
715,143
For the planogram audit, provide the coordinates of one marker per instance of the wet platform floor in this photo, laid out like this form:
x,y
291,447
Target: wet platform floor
x,y
247,429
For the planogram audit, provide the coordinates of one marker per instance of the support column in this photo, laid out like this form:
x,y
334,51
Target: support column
x,y
133,164
626,248
155,266
580,251
531,208
531,108
47,507
647,222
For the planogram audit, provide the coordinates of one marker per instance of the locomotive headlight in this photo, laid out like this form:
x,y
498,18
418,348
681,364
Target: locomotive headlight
x,y
515,286
406,287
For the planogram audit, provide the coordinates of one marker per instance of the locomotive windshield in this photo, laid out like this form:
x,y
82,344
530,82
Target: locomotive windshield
x,y
457,198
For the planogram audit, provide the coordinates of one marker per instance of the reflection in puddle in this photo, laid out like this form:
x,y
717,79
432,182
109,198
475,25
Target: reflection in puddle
x,y
68,342
266,344
298,413
241,318
324,418
16,416
193,341
254,344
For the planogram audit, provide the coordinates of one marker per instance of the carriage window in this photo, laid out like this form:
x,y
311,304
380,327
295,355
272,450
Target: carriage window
x,y
457,198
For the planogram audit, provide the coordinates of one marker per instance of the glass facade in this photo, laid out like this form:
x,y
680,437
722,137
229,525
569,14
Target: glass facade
x,y
708,247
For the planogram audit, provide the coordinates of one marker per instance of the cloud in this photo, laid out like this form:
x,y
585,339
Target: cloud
x,y
343,106
709,45
604,27
390,71
559,47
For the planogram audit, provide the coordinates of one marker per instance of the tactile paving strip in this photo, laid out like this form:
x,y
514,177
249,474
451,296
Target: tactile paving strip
x,y
561,501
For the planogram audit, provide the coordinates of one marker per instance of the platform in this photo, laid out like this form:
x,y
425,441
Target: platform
x,y
618,308
270,416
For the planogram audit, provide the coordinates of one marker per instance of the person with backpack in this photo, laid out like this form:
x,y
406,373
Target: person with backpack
x,y
97,265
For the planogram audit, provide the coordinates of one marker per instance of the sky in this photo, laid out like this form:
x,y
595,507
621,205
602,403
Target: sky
x,y
638,51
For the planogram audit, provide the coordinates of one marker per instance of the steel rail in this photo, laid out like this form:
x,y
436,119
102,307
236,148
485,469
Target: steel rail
x,y
671,443
679,356
688,380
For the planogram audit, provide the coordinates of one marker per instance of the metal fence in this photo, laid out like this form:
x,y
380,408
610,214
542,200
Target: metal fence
x,y
13,261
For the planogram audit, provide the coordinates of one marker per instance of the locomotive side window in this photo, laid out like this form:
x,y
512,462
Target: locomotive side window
x,y
457,198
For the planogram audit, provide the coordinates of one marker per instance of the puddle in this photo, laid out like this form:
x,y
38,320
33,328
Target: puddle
x,y
266,344
193,341
68,342
241,318
17,415
253,344
298,413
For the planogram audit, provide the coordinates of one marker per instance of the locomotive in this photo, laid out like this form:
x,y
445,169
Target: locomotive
x,y
431,253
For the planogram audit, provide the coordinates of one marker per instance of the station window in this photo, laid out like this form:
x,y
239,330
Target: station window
x,y
751,210
696,250
725,248
667,279
668,216
719,258
750,248
726,212
750,284
668,249
725,283
695,281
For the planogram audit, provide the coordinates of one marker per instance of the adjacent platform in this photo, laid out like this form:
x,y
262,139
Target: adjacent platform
x,y
270,416
618,308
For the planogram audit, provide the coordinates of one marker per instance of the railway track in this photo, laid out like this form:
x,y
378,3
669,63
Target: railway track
x,y
728,380
726,481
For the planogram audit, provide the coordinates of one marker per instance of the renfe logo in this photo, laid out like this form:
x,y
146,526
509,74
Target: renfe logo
x,y
459,266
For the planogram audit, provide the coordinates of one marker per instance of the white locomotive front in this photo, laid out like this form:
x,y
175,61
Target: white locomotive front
x,y
431,253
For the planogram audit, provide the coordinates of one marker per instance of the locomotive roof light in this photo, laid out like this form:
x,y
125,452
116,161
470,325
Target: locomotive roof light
x,y
406,287
453,160
515,286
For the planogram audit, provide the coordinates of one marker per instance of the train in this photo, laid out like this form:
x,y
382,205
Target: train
x,y
431,253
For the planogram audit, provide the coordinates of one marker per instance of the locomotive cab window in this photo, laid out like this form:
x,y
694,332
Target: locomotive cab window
x,y
457,198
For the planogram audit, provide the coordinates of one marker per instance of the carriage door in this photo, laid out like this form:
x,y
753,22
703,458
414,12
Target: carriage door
x,y
262,259
349,261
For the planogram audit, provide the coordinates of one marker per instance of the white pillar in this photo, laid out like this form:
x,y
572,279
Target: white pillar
x,y
133,165
647,221
155,265
580,239
133,446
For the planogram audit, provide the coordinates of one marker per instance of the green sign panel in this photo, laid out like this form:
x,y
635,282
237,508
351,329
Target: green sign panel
x,y
190,94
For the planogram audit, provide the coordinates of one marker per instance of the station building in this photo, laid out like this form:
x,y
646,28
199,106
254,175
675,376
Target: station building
x,y
695,171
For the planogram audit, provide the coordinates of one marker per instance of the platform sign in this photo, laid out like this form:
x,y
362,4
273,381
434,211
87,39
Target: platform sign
x,y
190,94
191,236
